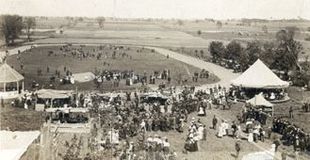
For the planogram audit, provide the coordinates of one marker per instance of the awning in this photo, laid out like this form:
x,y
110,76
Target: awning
x,y
54,94
68,110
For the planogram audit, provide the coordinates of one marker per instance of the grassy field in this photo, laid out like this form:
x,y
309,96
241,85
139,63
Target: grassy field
x,y
19,119
301,118
140,62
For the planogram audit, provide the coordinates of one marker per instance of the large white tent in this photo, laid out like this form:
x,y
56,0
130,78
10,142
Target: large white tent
x,y
259,76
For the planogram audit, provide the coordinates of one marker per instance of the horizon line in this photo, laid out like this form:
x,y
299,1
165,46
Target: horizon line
x,y
164,18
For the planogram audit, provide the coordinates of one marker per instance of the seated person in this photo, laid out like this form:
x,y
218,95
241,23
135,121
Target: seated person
x,y
272,96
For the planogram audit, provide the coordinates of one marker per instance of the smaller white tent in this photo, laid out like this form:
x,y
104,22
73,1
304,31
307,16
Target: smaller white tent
x,y
259,76
259,100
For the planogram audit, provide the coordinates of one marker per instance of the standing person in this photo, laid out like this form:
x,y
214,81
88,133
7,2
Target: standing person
x,y
277,143
234,129
237,148
204,137
214,122
291,112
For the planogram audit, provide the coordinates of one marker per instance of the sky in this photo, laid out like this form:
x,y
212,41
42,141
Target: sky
x,y
183,9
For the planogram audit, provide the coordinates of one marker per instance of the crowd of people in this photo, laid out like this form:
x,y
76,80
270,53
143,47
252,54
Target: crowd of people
x,y
291,134
141,120
131,77
245,94
134,118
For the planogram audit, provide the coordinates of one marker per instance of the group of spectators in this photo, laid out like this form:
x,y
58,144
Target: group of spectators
x,y
244,94
136,119
131,77
291,134
139,120
196,132
203,74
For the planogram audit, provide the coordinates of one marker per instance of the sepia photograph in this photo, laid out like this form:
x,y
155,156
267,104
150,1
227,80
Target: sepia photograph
x,y
154,79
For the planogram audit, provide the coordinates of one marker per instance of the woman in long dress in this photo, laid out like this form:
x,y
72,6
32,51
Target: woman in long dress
x,y
221,130
201,112
250,137
200,132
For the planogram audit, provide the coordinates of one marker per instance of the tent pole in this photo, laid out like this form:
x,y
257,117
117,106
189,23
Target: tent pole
x,y
4,85
51,102
23,86
17,84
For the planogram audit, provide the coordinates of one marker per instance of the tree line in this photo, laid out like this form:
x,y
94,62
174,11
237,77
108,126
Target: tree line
x,y
12,26
280,54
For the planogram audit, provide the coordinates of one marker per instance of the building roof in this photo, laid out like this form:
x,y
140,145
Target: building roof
x,y
259,76
8,74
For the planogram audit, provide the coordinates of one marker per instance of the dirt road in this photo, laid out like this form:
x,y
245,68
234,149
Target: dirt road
x,y
222,73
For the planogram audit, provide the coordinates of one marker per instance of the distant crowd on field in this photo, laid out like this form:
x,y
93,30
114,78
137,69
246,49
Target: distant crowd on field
x,y
82,52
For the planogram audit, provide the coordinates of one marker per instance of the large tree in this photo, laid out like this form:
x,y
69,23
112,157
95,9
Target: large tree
x,y
11,27
29,23
233,50
267,54
217,49
287,51
244,61
254,50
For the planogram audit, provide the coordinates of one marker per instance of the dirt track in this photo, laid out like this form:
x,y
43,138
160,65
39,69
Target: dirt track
x,y
222,73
